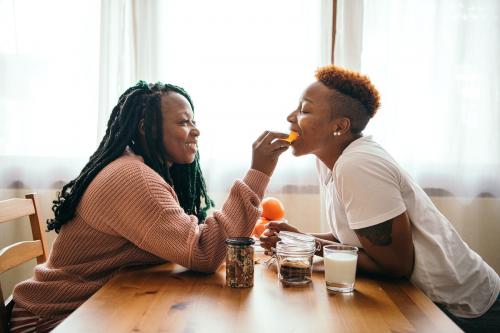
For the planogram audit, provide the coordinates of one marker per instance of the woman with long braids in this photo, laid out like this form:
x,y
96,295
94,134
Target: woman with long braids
x,y
141,199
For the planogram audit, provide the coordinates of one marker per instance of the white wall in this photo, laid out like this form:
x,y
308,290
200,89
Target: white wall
x,y
477,221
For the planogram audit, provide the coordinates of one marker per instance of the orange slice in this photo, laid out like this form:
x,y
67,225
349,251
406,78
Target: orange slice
x,y
292,136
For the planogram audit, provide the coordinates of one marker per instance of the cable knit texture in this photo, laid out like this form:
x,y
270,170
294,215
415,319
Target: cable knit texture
x,y
130,216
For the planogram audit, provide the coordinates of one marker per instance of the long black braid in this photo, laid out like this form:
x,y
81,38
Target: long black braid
x,y
142,101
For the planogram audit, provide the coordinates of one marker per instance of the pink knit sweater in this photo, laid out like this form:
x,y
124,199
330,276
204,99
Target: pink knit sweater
x,y
128,216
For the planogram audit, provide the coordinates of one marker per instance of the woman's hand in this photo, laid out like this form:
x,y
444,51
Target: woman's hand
x,y
266,150
269,237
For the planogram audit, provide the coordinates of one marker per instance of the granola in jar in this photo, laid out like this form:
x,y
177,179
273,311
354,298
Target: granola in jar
x,y
239,262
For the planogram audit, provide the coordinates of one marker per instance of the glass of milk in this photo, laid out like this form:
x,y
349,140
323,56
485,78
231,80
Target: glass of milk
x,y
340,267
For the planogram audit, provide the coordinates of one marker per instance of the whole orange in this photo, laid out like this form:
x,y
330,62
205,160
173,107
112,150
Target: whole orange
x,y
260,226
272,208
259,229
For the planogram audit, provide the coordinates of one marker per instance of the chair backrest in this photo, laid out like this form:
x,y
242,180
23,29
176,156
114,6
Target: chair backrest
x,y
15,254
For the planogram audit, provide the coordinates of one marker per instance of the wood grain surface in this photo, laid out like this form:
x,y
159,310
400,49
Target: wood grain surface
x,y
169,298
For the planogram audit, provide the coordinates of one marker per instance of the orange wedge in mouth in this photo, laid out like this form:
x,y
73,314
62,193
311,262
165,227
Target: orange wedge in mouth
x,y
292,137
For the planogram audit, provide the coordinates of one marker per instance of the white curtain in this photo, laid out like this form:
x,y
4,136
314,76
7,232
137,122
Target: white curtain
x,y
127,51
244,64
49,55
64,64
437,66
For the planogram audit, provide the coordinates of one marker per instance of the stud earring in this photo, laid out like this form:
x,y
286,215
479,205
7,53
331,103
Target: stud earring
x,y
336,133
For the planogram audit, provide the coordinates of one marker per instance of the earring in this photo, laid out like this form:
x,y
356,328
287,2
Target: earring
x,y
336,133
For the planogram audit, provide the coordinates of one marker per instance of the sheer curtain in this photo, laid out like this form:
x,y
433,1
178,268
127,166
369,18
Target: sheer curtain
x,y
49,53
244,64
437,66
64,64
127,51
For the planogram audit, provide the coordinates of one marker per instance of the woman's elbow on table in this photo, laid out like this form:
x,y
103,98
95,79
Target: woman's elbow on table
x,y
207,264
404,269
396,269
208,269
389,247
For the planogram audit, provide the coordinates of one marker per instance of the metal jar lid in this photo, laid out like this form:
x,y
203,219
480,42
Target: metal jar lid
x,y
240,241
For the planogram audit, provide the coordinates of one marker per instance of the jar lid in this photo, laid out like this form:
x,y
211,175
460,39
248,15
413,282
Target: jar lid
x,y
290,237
240,241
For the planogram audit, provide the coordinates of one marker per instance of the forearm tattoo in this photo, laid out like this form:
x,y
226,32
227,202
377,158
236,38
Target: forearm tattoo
x,y
380,234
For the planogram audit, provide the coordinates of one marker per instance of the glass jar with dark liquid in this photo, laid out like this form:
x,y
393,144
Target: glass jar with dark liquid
x,y
295,253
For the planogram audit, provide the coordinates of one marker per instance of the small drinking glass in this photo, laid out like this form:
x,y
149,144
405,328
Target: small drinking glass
x,y
340,267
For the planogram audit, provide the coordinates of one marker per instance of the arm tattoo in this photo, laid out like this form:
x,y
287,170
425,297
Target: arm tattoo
x,y
380,234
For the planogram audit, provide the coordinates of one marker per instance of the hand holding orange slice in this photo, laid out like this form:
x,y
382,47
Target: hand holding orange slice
x,y
292,136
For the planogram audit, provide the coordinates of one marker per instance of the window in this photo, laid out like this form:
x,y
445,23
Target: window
x,y
436,64
49,65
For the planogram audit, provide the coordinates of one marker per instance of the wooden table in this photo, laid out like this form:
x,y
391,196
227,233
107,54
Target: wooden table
x,y
169,298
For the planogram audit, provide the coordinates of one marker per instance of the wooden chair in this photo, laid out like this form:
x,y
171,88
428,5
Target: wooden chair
x,y
21,252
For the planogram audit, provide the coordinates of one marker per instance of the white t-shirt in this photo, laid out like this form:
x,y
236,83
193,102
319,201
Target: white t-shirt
x,y
367,187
